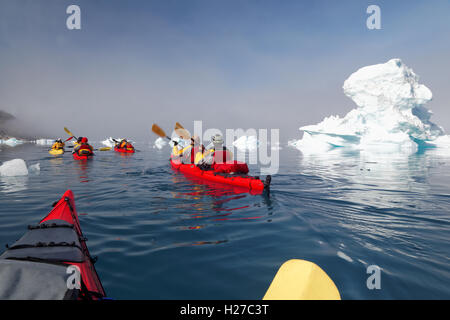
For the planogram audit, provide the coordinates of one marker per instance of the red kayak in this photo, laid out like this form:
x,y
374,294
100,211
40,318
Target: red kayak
x,y
124,150
51,261
243,181
76,156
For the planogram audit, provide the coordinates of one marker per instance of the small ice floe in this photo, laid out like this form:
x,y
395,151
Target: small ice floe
x,y
18,168
110,142
342,255
245,143
13,168
159,143
35,168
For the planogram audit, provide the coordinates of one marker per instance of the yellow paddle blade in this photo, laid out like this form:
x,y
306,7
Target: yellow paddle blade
x,y
68,131
301,280
104,149
183,133
158,131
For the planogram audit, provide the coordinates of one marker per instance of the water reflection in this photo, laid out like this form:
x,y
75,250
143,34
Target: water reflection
x,y
380,180
383,201
206,203
14,184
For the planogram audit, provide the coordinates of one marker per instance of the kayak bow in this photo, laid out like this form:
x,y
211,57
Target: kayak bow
x,y
41,265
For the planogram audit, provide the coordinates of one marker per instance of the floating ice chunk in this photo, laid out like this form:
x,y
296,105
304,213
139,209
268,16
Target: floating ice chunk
x,y
13,168
45,142
12,142
35,168
390,116
342,255
246,143
159,143
110,142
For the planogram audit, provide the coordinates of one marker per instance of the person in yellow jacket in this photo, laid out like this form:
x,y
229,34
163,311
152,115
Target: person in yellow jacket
x,y
215,153
179,146
124,144
58,145
188,153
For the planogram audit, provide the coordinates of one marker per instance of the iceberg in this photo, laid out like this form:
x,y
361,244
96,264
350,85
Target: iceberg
x,y
13,168
45,142
390,115
110,142
12,142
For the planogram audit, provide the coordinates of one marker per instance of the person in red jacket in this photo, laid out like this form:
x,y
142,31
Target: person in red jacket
x,y
83,148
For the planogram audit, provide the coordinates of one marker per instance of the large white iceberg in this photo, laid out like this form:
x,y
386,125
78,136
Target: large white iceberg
x,y
390,116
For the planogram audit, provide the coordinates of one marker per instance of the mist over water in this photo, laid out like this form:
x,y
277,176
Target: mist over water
x,y
134,64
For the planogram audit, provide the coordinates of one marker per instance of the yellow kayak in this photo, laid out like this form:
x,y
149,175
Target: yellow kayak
x,y
56,151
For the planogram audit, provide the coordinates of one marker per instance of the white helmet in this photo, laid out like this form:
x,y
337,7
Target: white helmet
x,y
217,139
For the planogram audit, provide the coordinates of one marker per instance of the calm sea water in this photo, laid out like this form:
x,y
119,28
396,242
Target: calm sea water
x,y
159,235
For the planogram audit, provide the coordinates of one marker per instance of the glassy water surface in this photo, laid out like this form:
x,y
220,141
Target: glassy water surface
x,y
161,235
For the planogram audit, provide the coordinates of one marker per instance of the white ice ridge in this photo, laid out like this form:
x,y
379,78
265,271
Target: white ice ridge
x,y
246,143
12,142
45,142
390,116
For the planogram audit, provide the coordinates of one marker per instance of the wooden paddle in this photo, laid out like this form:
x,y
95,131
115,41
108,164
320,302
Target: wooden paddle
x,y
182,132
160,132
301,280
69,133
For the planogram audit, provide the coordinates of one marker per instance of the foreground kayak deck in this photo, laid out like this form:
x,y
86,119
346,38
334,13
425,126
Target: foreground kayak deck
x,y
242,181
40,264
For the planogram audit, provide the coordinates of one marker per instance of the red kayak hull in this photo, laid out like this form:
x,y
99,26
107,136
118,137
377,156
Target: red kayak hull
x,y
78,157
65,210
248,182
123,150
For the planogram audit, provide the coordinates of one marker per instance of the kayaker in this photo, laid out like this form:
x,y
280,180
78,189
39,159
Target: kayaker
x,y
216,153
58,145
83,147
178,146
191,151
124,144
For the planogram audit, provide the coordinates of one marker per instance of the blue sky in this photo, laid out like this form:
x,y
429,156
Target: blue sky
x,y
260,64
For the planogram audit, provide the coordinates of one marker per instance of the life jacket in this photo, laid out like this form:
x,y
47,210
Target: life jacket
x,y
190,153
58,145
84,149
